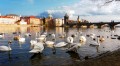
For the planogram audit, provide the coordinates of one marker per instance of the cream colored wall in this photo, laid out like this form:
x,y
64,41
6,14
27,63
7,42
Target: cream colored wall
x,y
59,22
35,21
7,20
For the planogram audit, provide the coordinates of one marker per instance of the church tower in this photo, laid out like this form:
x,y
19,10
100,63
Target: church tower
x,y
66,18
78,19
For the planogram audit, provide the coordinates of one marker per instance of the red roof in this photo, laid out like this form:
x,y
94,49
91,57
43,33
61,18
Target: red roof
x,y
32,17
5,17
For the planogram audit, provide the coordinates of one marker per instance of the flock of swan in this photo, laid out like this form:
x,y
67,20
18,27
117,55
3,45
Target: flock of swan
x,y
40,41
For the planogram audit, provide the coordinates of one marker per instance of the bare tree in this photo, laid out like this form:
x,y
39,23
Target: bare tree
x,y
104,2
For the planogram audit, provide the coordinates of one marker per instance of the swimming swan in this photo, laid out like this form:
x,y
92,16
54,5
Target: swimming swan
x,y
60,44
37,48
6,48
70,40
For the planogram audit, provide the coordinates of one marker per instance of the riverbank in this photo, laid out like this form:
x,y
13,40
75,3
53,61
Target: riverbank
x,y
107,59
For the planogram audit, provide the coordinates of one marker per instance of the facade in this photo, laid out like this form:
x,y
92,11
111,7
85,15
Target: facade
x,y
16,17
7,20
49,21
58,22
32,20
21,22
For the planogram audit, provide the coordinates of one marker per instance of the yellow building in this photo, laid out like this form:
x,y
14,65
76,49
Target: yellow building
x,y
58,22
34,21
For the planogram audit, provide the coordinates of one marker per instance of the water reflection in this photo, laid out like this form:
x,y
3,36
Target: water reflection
x,y
22,30
8,29
74,55
59,30
57,55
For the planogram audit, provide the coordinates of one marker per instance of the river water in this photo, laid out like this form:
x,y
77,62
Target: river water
x,y
20,56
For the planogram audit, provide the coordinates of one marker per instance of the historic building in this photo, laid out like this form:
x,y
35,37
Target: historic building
x,y
21,22
7,20
58,22
14,16
32,20
49,21
66,19
78,19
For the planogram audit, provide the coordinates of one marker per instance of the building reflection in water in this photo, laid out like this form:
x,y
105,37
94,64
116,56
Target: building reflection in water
x,y
7,29
34,29
59,30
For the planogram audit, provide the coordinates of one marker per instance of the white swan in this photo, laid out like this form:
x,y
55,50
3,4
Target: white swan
x,y
6,48
27,34
42,38
95,43
82,39
70,40
62,35
21,39
45,33
37,48
32,42
75,35
60,44
92,35
50,43
2,35
53,35
74,47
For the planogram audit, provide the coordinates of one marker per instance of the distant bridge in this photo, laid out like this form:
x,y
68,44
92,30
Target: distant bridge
x,y
99,24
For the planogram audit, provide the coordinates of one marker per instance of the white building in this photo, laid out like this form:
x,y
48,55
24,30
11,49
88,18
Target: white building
x,y
59,22
16,17
7,20
22,22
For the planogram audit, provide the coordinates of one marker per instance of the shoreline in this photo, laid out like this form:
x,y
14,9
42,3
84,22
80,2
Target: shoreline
x,y
15,25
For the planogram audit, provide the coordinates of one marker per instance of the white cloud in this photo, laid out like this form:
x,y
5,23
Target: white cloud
x,y
93,10
57,13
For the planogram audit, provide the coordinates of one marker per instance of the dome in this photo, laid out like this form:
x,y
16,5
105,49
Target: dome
x,y
49,16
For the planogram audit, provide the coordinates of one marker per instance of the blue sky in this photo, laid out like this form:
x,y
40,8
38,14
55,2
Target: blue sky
x,y
91,10
31,7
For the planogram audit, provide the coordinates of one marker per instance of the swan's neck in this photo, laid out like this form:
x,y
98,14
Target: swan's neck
x,y
98,41
9,46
